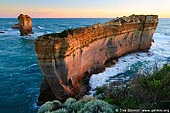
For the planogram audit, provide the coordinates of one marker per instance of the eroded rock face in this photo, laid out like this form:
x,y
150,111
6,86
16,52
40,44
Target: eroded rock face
x,y
24,25
69,58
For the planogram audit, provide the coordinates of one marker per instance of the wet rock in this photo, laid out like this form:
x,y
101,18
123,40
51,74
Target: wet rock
x,y
137,57
137,54
2,32
149,54
124,60
16,26
69,58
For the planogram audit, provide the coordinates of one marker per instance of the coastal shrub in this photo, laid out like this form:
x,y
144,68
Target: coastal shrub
x,y
101,89
74,106
143,82
50,106
47,107
69,104
156,84
70,101
97,106
57,104
151,91
129,103
100,96
112,101
63,110
79,104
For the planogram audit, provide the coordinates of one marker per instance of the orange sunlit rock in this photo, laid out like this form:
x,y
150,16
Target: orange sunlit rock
x,y
69,58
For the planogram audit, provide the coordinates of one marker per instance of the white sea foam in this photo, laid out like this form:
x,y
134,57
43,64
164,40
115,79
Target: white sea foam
x,y
160,50
32,65
40,27
10,31
70,27
11,22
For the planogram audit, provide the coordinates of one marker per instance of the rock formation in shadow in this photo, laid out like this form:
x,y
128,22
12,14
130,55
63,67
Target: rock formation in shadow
x,y
69,58
24,25
2,32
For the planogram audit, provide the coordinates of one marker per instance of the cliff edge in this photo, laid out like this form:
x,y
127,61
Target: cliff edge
x,y
69,58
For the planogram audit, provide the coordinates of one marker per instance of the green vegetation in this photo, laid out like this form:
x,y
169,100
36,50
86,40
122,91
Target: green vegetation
x,y
152,91
81,106
145,92
96,106
50,106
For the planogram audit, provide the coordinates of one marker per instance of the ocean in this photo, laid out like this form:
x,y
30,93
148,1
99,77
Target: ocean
x,y
20,75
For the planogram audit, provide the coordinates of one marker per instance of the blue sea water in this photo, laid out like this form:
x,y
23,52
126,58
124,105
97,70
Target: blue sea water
x,y
20,75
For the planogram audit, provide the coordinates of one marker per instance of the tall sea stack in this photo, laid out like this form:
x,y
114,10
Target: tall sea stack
x,y
69,58
24,25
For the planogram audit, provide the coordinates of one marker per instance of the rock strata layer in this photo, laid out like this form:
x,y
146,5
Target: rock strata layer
x,y
24,25
69,58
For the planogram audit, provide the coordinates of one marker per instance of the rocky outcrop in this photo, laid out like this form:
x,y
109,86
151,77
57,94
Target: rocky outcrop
x,y
15,26
69,58
24,25
2,32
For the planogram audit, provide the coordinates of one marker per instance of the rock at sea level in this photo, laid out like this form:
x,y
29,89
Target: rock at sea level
x,y
2,32
69,58
24,25
15,26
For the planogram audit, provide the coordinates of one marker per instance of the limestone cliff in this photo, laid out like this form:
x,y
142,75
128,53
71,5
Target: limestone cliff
x,y
69,58
24,25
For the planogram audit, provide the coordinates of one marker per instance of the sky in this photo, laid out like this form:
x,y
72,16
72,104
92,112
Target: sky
x,y
83,8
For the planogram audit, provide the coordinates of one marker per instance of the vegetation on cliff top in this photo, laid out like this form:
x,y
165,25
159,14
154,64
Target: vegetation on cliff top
x,y
145,92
